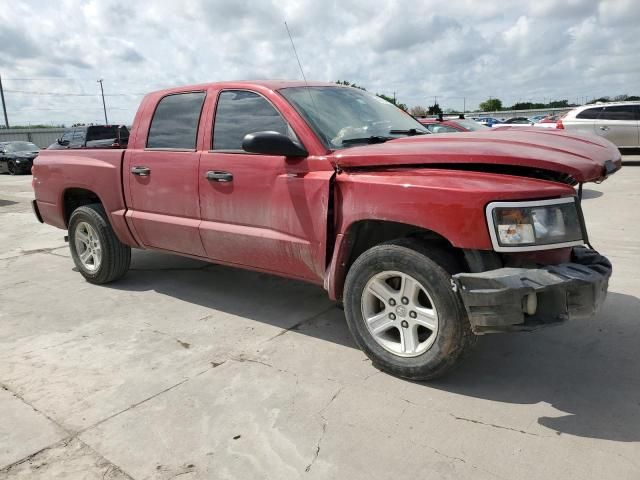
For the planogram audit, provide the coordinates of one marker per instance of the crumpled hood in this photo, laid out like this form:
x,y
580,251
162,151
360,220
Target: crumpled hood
x,y
584,158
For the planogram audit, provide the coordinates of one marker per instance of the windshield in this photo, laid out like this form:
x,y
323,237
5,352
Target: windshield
x,y
341,115
21,147
471,125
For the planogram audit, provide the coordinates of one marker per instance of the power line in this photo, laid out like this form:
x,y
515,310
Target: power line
x,y
60,94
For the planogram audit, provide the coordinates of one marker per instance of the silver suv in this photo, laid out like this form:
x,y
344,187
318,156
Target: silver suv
x,y
618,122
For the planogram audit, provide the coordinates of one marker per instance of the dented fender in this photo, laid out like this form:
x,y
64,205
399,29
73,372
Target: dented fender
x,y
450,203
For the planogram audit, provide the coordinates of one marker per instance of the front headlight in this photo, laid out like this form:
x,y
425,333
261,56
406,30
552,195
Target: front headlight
x,y
536,225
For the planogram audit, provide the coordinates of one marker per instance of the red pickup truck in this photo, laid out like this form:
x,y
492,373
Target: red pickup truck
x,y
427,240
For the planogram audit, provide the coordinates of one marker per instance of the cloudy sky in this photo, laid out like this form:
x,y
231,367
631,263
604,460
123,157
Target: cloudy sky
x,y
52,53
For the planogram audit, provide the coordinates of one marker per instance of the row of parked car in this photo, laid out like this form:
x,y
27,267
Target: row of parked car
x,y
618,122
17,157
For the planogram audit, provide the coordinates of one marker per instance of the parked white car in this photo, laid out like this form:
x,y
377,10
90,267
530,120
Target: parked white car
x,y
618,122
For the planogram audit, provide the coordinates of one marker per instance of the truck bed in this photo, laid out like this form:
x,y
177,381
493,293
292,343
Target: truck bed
x,y
61,175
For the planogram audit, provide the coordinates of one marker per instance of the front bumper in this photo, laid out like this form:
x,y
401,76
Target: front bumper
x,y
517,299
24,165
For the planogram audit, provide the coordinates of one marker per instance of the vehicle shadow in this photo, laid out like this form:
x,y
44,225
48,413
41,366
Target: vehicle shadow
x,y
257,296
588,194
589,370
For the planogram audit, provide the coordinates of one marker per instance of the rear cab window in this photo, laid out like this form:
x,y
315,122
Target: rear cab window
x,y
174,125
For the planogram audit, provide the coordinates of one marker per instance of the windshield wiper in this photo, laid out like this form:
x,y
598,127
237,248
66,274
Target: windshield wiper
x,y
411,132
371,139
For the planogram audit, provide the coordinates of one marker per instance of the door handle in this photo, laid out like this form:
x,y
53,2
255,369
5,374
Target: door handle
x,y
604,127
216,176
141,171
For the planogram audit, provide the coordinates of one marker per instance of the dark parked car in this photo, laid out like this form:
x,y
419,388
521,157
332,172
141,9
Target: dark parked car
x,y
17,157
93,136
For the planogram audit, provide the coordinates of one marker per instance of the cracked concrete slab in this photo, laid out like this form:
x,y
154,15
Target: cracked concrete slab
x,y
83,360
240,420
69,459
23,430
199,371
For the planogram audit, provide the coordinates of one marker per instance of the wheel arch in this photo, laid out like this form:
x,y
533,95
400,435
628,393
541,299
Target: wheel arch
x,y
77,196
361,235
74,197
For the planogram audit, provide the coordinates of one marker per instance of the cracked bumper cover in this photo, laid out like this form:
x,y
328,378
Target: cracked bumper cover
x,y
517,299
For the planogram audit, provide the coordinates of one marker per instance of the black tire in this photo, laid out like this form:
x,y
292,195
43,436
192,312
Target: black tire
x,y
12,168
116,256
432,267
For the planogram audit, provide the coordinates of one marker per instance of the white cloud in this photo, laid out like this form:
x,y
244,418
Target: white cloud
x,y
460,48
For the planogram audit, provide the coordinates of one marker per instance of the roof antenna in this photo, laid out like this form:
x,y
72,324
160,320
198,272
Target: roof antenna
x,y
300,65
295,52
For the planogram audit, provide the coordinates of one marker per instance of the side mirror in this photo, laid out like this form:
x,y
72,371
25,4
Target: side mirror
x,y
272,143
62,142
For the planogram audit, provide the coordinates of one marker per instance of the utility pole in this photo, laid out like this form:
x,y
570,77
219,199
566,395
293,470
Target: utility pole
x,y
464,104
4,105
104,106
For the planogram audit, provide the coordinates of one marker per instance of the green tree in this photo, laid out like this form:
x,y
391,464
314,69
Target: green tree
x,y
394,101
491,105
402,106
347,83
559,103
435,109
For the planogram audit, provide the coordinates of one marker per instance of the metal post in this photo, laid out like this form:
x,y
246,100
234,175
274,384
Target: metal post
x,y
4,105
104,106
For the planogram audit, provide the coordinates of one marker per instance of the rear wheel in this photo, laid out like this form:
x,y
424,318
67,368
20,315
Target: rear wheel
x,y
403,313
98,254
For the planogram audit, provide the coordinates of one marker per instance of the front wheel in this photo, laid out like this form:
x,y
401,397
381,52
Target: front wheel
x,y
12,167
98,254
403,313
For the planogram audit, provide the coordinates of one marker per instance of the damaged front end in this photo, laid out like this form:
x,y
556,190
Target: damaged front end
x,y
521,299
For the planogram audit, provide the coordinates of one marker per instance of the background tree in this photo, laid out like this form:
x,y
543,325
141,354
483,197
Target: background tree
x,y
435,109
491,105
347,83
418,111
559,104
394,101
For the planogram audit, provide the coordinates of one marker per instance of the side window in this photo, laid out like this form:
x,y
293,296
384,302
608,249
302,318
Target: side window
x,y
175,121
66,136
239,113
589,113
79,135
618,112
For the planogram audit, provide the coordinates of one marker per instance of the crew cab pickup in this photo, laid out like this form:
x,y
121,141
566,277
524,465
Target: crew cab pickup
x,y
92,136
427,240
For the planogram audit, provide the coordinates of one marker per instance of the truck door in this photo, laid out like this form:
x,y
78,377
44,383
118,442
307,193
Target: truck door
x,y
162,177
619,124
263,211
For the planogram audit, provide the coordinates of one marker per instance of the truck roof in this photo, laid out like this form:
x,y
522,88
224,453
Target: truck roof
x,y
270,84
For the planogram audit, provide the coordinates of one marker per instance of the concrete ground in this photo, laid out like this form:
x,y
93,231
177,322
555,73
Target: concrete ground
x,y
200,371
